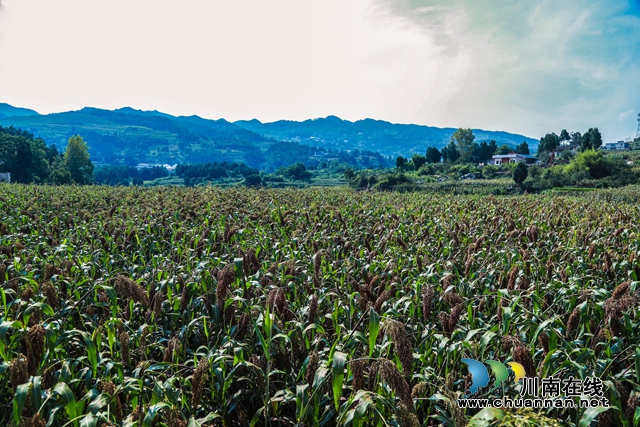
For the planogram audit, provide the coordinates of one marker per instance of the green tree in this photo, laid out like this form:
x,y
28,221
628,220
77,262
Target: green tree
x,y
401,163
60,174
564,135
504,149
548,143
591,161
463,139
17,157
253,181
484,151
362,181
39,163
27,158
418,161
349,174
520,173
523,148
591,140
297,172
433,155
576,137
53,154
76,159
450,152
596,138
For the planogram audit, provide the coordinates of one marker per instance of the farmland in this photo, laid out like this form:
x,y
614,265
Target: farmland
x,y
317,307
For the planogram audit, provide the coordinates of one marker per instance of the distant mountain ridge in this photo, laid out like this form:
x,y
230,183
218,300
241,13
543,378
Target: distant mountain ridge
x,y
7,110
384,137
129,136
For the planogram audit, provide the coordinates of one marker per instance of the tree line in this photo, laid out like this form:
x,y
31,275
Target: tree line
x,y
30,160
461,148
592,139
126,175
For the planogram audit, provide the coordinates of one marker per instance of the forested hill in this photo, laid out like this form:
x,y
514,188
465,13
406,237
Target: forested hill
x,y
376,135
129,136
7,110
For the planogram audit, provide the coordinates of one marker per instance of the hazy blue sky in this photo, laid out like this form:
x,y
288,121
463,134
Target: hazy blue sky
x,y
529,67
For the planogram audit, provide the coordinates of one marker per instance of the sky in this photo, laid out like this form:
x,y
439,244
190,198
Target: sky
x,y
529,67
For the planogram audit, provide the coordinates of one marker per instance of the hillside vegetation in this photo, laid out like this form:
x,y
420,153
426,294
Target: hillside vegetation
x,y
128,137
389,139
168,306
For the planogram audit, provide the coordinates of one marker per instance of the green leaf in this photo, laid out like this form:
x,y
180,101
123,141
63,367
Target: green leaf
x,y
36,392
92,352
22,392
68,399
257,416
268,323
263,341
98,403
638,365
339,360
374,329
160,366
320,377
589,415
506,319
471,334
153,410
361,409
542,327
301,401
486,417
89,420
485,340
315,327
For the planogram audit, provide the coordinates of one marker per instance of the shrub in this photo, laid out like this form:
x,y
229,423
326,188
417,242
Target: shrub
x,y
253,181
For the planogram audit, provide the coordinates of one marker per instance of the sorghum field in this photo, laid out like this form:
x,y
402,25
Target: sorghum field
x,y
234,307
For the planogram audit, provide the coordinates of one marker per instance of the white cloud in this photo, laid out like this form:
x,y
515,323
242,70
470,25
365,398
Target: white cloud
x,y
527,67
625,115
537,66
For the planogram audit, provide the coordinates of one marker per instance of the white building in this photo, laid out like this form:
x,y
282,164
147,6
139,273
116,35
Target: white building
x,y
620,145
499,159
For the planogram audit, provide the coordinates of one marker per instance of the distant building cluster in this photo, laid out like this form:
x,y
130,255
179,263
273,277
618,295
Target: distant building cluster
x,y
170,168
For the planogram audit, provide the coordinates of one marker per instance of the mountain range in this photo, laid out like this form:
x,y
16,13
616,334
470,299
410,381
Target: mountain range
x,y
389,139
130,136
7,110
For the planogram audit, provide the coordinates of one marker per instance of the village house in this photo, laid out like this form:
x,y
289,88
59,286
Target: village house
x,y
499,159
620,145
